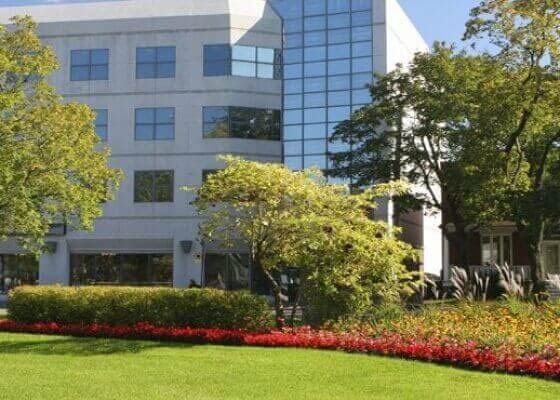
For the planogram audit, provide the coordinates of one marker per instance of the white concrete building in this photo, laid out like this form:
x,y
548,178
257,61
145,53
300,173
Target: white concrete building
x,y
178,82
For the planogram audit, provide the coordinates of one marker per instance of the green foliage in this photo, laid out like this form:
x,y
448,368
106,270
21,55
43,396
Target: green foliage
x,y
195,308
295,219
50,168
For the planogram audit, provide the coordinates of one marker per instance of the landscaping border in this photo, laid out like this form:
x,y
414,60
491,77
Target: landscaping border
x,y
451,353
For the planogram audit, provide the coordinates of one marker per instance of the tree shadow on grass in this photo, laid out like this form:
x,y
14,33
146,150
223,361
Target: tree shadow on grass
x,y
74,346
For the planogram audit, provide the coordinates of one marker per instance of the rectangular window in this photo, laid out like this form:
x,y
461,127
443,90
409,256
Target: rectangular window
x,y
121,269
154,123
229,271
153,186
89,65
155,62
102,124
241,122
496,249
17,270
246,61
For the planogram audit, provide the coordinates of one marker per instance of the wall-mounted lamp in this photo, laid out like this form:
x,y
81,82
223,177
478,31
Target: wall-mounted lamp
x,y
186,245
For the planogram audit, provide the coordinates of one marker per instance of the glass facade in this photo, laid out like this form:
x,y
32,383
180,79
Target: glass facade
x,y
328,61
241,122
17,270
237,60
121,269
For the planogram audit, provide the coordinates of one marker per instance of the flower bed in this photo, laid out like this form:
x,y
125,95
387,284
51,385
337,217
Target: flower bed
x,y
448,351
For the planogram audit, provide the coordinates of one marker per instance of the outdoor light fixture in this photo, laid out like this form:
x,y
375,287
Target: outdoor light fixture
x,y
186,245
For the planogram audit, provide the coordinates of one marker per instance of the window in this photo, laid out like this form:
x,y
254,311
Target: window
x,y
122,269
229,271
237,60
89,65
154,123
17,270
241,122
496,249
153,186
102,124
155,62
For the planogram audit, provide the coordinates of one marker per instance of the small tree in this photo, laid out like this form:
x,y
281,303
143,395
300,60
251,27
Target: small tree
x,y
50,169
295,219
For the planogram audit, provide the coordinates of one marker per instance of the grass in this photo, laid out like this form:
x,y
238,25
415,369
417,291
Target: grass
x,y
47,367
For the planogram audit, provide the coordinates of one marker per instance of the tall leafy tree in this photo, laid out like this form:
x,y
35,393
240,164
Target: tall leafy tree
x,y
50,167
426,126
526,35
296,219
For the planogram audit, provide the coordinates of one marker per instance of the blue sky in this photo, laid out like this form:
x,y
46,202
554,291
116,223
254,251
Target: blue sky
x,y
436,19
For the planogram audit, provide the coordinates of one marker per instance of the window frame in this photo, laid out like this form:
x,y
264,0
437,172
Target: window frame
x,y
153,124
254,63
275,115
90,65
105,125
156,63
154,186
496,256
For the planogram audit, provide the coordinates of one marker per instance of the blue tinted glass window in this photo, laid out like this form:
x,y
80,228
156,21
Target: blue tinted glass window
x,y
293,40
315,146
339,35
364,64
315,23
244,53
314,131
241,122
293,101
293,71
315,69
293,148
89,65
339,82
339,147
362,49
338,51
313,7
339,113
293,25
339,21
359,81
154,123
361,96
293,132
295,163
361,33
314,115
317,38
361,18
315,84
341,98
315,162
315,53
241,68
217,60
293,86
337,6
339,67
102,124
293,56
361,5
292,117
155,62
314,100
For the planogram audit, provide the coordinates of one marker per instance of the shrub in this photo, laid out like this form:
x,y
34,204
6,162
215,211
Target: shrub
x,y
208,308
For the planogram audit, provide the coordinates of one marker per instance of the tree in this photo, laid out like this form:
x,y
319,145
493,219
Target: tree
x,y
526,35
296,219
427,127
50,168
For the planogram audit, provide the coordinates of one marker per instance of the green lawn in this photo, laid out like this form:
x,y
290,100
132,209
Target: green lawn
x,y
44,367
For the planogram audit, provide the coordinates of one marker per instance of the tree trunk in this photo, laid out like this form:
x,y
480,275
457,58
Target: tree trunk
x,y
535,237
278,305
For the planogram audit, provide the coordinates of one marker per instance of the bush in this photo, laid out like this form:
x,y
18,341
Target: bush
x,y
204,308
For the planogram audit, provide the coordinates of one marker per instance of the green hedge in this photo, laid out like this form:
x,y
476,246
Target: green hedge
x,y
204,308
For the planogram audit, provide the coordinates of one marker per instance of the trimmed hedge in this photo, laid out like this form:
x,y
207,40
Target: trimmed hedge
x,y
196,308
